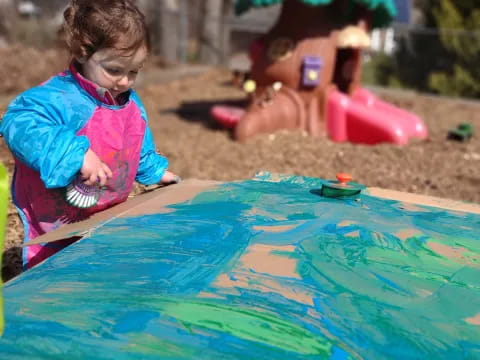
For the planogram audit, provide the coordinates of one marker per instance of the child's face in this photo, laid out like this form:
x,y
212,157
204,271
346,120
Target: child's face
x,y
113,69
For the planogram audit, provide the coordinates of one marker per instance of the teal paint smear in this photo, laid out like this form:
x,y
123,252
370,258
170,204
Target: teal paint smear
x,y
196,282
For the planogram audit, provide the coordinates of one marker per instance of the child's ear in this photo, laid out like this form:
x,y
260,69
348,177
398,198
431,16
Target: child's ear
x,y
81,60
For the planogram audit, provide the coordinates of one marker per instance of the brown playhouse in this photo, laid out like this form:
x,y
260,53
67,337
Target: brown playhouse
x,y
305,74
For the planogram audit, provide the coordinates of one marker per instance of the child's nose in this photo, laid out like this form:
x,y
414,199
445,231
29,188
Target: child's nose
x,y
123,81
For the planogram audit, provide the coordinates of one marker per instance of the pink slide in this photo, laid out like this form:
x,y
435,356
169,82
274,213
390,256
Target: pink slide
x,y
363,118
227,116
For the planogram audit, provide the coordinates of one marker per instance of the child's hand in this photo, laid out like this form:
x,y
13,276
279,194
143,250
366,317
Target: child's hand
x,y
94,170
169,178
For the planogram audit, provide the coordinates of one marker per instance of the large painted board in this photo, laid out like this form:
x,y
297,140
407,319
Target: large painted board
x,y
258,269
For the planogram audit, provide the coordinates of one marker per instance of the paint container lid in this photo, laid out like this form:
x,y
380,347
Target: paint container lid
x,y
343,186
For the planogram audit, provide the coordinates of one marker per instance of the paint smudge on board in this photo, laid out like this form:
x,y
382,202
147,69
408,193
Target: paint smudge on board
x,y
259,270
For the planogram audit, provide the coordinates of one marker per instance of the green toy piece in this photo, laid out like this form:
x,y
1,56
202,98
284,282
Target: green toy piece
x,y
342,187
462,132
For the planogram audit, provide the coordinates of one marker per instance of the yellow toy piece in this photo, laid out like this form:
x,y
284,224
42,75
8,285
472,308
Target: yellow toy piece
x,y
249,86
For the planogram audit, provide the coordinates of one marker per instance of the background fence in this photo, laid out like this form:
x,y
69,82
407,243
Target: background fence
x,y
186,31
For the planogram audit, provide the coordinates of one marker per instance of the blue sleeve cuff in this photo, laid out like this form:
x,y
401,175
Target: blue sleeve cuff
x,y
153,172
152,165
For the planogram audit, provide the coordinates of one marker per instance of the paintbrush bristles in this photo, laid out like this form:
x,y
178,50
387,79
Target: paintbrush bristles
x,y
82,196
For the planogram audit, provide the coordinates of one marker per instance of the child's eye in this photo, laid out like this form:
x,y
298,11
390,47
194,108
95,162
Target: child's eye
x,y
113,71
134,72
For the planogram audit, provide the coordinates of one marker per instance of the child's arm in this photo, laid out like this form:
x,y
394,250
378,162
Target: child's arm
x,y
36,133
152,166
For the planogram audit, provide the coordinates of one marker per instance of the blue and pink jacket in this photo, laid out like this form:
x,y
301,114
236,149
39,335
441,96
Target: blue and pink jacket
x,y
50,127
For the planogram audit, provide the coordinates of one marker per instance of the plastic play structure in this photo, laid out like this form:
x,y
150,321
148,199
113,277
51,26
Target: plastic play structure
x,y
305,74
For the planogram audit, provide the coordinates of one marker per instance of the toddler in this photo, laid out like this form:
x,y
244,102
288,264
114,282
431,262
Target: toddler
x,y
85,123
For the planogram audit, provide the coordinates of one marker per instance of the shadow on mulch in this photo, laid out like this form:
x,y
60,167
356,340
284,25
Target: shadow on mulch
x,y
199,111
11,260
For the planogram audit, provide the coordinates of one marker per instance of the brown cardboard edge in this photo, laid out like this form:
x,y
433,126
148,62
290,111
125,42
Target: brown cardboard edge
x,y
151,202
426,200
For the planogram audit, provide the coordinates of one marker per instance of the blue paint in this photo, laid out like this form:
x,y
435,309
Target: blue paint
x,y
133,321
390,283
188,283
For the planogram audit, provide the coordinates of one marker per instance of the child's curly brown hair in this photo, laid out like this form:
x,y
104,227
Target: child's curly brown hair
x,y
91,25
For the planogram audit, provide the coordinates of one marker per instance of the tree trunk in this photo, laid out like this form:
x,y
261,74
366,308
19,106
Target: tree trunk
x,y
7,15
227,13
164,28
183,30
211,38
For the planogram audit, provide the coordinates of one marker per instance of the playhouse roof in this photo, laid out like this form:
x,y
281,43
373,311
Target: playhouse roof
x,y
383,10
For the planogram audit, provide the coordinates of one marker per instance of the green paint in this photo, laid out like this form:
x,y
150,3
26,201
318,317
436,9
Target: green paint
x,y
251,325
151,345
192,316
415,267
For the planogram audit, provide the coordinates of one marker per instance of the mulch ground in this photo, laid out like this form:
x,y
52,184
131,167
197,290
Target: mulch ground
x,y
198,148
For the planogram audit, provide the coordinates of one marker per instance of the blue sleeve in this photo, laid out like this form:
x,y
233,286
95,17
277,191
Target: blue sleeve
x,y
37,135
152,165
